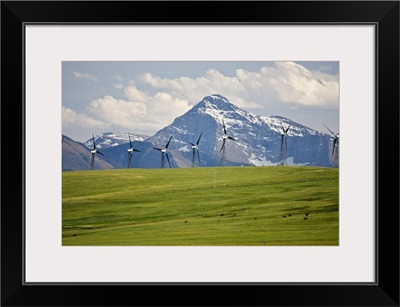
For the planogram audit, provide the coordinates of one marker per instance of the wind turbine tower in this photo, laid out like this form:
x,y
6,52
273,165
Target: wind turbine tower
x,y
283,149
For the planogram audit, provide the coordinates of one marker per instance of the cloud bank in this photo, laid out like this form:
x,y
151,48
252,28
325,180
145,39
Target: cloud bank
x,y
151,102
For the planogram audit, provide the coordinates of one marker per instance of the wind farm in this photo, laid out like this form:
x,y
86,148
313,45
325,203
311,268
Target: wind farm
x,y
229,136
187,185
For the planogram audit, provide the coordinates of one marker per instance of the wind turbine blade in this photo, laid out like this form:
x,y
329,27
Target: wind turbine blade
x,y
130,142
199,138
191,144
159,149
166,146
287,129
100,153
94,143
223,145
168,160
231,138
223,124
329,129
193,156
137,150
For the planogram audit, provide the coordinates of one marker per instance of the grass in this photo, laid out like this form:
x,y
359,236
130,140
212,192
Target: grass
x,y
181,207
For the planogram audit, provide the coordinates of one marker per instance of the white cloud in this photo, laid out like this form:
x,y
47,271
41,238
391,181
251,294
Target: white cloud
x,y
295,84
153,102
86,76
116,111
287,82
145,113
71,118
134,94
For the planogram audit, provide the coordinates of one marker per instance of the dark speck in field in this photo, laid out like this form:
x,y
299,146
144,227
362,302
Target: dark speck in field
x,y
234,214
289,215
307,213
74,235
255,218
222,214
185,221
306,218
284,216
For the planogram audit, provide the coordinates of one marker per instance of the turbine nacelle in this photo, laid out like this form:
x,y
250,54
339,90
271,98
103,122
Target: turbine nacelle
x,y
227,137
285,130
336,135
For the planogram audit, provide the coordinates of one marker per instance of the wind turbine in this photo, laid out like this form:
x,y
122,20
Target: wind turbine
x,y
195,147
224,137
164,153
335,140
93,152
130,151
283,151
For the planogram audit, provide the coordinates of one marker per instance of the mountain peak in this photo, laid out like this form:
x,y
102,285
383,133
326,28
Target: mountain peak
x,y
215,102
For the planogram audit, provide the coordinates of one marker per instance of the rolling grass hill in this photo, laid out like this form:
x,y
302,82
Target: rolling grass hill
x,y
247,206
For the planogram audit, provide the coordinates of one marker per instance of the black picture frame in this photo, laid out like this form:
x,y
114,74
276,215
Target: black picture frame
x,y
383,14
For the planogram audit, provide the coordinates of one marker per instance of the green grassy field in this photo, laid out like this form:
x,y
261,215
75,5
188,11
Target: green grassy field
x,y
181,207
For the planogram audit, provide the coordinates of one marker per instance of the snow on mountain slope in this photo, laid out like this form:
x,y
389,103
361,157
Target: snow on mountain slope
x,y
110,139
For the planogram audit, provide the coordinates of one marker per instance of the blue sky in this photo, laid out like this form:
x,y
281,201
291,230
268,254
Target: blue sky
x,y
143,97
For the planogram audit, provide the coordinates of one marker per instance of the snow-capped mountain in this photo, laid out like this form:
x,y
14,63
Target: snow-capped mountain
x,y
112,139
258,137
254,140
